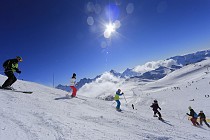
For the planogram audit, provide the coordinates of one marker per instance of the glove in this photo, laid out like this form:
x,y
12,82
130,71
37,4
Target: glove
x,y
18,71
160,108
122,93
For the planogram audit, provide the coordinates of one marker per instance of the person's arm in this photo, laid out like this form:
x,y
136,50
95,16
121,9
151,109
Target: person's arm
x,y
15,67
159,107
192,113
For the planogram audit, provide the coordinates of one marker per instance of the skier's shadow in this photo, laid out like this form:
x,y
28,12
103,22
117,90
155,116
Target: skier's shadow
x,y
166,122
62,98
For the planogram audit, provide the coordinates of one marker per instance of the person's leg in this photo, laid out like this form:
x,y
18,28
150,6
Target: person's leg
x,y
118,104
193,121
196,122
10,79
74,91
14,80
206,122
159,114
155,111
201,120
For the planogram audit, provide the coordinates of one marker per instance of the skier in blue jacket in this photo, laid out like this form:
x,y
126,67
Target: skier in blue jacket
x,y
194,116
117,99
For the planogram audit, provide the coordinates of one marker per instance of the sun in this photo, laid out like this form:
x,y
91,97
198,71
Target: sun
x,y
109,30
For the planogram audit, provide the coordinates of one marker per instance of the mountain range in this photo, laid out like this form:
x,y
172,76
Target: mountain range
x,y
154,70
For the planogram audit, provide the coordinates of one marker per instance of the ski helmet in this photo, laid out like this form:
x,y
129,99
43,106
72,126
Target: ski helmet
x,y
119,90
189,107
155,101
201,111
19,58
74,74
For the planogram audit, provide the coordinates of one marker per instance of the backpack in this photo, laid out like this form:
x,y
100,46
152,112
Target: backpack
x,y
195,115
6,64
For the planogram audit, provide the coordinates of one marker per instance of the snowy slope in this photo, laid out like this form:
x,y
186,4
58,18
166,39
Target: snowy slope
x,y
40,117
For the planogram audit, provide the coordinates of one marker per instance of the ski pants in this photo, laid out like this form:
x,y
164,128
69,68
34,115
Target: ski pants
x,y
74,91
118,104
194,121
11,79
204,120
157,112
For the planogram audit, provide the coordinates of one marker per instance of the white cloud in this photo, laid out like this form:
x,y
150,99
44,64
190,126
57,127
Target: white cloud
x,y
107,84
154,65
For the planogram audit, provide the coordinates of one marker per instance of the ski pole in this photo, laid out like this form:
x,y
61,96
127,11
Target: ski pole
x,y
184,117
112,103
125,99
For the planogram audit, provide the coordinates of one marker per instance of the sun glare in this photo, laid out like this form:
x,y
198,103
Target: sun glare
x,y
110,28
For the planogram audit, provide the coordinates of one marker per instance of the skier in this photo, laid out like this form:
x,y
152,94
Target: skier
x,y
117,99
203,118
11,66
155,108
72,85
194,116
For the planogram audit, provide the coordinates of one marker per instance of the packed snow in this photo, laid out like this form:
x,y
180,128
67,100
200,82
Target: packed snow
x,y
39,116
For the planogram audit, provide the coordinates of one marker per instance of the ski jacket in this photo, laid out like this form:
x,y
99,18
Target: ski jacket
x,y
11,65
73,82
117,95
155,106
202,115
192,114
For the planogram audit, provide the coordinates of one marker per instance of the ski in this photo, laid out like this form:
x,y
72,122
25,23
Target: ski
x,y
80,98
63,98
119,110
26,92
14,90
69,97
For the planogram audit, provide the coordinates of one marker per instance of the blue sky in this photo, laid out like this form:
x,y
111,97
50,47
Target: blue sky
x,y
56,37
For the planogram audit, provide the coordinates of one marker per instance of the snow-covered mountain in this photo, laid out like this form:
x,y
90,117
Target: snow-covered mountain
x,y
39,116
79,84
151,70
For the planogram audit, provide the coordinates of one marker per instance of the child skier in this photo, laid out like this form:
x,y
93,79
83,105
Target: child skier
x,y
72,85
194,116
203,118
116,98
155,108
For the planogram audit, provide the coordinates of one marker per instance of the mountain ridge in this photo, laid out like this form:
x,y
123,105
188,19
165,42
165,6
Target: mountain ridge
x,y
151,70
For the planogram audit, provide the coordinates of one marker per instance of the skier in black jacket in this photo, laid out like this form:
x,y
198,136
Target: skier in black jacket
x,y
203,118
11,66
155,108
